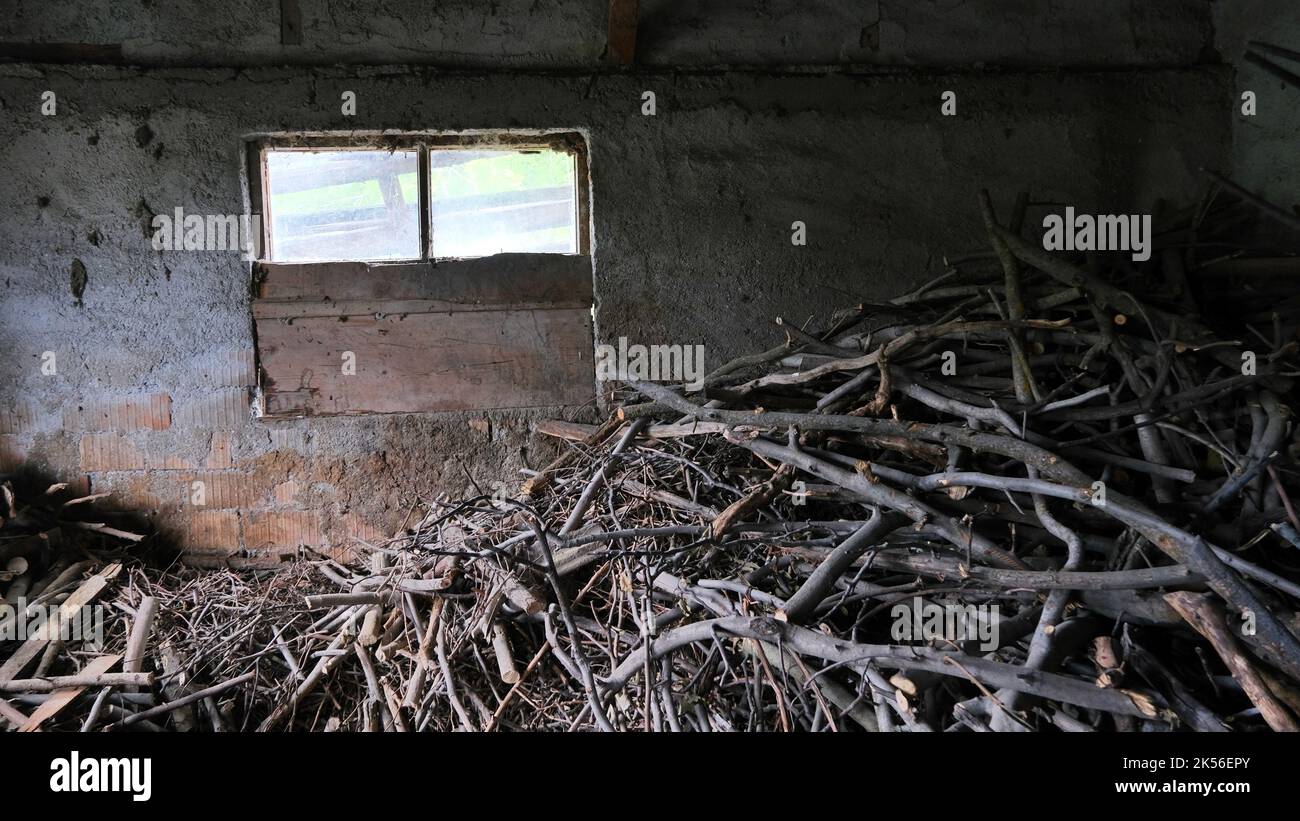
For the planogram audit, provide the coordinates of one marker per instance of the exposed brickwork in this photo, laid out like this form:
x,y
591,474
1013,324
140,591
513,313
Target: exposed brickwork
x,y
117,451
286,492
19,418
222,409
268,487
209,530
353,526
217,491
12,453
219,457
131,491
110,451
281,528
228,369
145,412
285,438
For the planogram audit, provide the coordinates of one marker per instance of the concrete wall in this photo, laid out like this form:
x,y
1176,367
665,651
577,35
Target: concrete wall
x,y
571,33
692,211
1266,146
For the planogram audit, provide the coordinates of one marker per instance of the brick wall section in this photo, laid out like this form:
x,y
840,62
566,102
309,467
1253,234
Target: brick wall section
x,y
207,531
110,451
13,453
17,419
146,412
227,487
192,460
271,529
220,409
219,457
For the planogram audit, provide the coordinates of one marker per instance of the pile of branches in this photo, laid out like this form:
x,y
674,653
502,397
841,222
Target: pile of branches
x,y
1037,493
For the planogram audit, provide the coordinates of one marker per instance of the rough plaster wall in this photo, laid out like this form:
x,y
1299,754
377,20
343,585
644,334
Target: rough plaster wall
x,y
926,33
692,213
1266,147
571,34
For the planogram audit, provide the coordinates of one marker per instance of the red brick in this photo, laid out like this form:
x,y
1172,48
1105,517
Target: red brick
x,y
221,490
114,451
18,419
286,492
288,438
163,457
356,527
281,528
223,409
131,491
219,457
232,369
78,485
144,412
12,453
212,530
109,451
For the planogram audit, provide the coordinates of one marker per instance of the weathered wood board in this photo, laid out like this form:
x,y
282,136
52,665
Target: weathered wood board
x,y
560,280
428,362
500,332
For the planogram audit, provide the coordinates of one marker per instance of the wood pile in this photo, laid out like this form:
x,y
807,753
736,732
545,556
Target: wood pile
x,y
1058,451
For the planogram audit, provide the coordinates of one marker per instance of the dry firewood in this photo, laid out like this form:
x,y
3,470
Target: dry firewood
x,y
185,701
342,642
750,502
86,593
515,591
46,685
1182,701
820,582
802,641
174,684
1273,637
504,655
63,696
141,629
1202,615
15,717
544,477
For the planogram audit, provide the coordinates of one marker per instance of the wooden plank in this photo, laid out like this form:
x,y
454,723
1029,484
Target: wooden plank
x,y
62,698
556,279
428,362
622,31
577,432
302,308
290,23
12,714
34,644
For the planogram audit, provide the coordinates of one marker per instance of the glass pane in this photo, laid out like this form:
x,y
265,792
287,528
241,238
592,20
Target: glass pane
x,y
492,202
343,205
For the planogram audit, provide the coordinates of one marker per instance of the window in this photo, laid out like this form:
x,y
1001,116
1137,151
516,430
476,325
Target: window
x,y
422,273
336,205
333,200
494,202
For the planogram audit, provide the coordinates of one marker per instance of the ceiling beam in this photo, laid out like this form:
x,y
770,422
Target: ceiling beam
x,y
621,47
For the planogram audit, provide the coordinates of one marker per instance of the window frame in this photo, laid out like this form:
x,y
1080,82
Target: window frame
x,y
569,142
